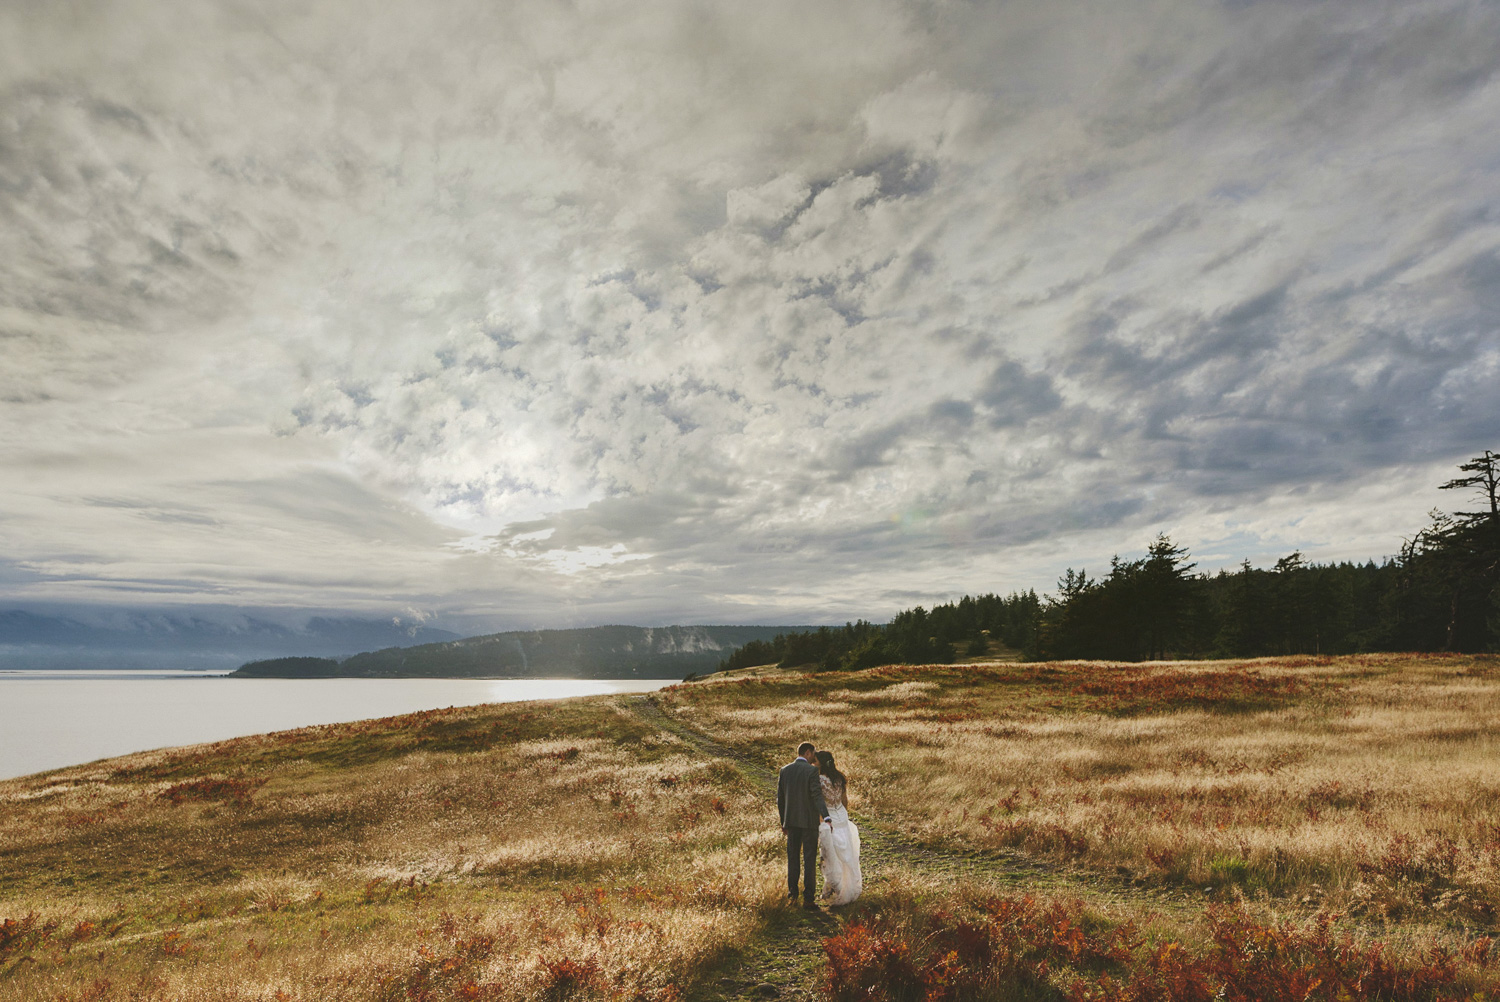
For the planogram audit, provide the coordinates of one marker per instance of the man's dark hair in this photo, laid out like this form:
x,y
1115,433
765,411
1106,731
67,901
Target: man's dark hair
x,y
804,748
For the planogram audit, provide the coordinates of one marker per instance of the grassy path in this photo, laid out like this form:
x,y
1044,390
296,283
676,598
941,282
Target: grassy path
x,y
782,963
879,845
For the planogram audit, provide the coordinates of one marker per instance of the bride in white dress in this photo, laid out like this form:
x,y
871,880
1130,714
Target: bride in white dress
x,y
838,842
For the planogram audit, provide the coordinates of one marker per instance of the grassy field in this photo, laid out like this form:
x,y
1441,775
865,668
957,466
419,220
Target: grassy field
x,y
1295,828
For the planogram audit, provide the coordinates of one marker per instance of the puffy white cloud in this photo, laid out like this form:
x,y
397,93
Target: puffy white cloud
x,y
541,314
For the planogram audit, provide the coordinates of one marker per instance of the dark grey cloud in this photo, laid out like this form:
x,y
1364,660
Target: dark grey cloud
x,y
1013,396
540,315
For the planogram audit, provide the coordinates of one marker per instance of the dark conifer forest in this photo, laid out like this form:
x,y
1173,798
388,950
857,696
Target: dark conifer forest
x,y
1440,592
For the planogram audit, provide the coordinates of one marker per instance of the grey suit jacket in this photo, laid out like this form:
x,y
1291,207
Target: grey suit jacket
x,y
799,796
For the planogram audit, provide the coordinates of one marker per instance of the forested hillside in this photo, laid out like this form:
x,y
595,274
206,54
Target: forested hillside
x,y
594,652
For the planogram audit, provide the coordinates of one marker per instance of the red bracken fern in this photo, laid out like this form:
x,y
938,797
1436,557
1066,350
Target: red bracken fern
x,y
565,977
865,966
1013,944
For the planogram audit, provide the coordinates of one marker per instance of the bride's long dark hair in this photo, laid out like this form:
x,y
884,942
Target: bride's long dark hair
x,y
827,768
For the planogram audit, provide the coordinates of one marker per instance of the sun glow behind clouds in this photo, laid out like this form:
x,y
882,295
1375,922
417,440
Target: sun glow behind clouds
x,y
494,308
586,558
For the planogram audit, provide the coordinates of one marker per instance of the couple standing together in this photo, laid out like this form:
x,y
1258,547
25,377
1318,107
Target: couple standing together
x,y
812,797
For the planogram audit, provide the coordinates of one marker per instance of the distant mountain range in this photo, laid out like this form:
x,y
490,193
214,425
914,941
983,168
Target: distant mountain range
x,y
592,652
144,640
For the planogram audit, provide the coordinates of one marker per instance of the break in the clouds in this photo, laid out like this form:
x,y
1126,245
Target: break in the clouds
x,y
548,313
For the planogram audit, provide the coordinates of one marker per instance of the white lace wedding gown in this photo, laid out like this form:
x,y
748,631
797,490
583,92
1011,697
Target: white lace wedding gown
x,y
838,851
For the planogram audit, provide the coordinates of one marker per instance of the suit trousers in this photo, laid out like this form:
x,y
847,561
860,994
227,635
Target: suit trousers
x,y
802,842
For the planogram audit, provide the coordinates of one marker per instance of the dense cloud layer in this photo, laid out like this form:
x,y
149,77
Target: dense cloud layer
x,y
544,314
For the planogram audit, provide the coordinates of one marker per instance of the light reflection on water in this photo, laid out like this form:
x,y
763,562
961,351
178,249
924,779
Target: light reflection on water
x,y
53,719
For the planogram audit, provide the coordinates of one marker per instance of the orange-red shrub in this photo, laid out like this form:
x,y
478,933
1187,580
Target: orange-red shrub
x,y
235,789
1130,691
23,933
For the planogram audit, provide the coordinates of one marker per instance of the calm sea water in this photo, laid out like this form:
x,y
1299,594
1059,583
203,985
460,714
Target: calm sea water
x,y
54,719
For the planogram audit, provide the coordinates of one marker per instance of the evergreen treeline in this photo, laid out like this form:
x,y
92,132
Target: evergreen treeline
x,y
916,636
1442,592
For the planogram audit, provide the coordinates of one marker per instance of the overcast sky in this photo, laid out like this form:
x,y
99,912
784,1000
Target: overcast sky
x,y
544,314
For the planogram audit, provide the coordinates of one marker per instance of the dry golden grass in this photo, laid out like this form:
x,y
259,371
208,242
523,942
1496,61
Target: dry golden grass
x,y
578,849
493,852
1369,785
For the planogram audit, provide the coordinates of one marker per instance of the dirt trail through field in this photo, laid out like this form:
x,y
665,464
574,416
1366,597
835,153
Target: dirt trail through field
x,y
780,964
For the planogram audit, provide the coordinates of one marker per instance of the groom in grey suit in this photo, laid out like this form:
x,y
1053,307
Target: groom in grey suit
x,y
799,799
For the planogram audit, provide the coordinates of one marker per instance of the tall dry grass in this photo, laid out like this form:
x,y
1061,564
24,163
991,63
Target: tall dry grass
x,y
573,850
508,852
1369,785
